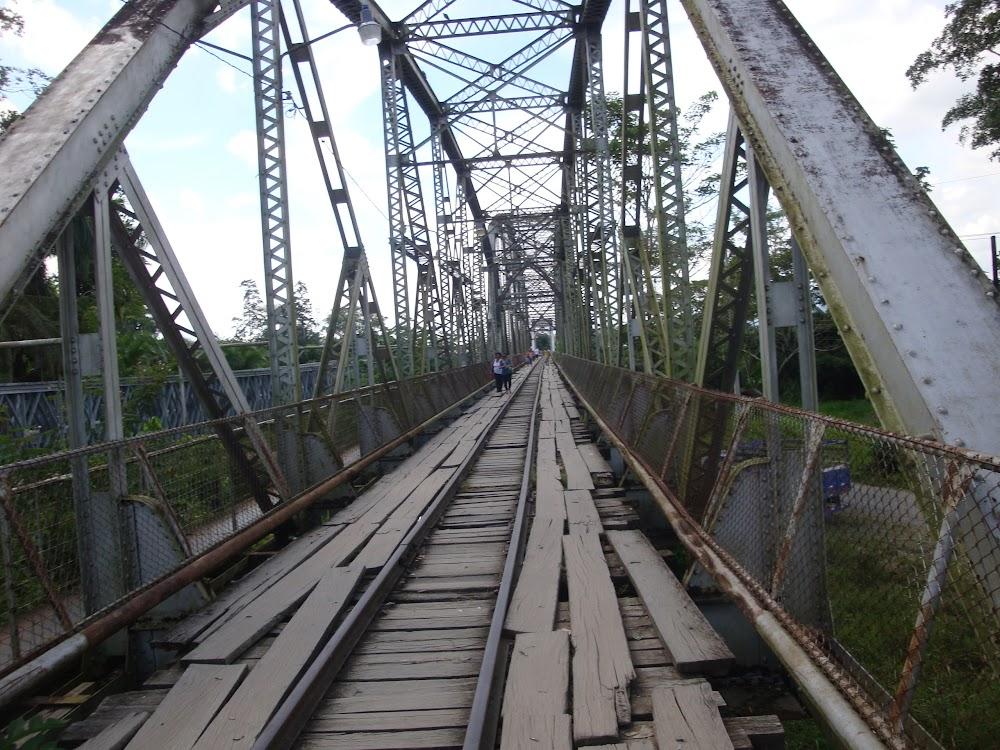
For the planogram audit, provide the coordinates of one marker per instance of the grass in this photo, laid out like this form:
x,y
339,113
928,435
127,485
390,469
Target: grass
x,y
874,586
804,734
859,411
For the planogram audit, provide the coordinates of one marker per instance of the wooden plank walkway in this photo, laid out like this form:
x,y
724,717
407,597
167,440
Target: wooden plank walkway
x,y
587,665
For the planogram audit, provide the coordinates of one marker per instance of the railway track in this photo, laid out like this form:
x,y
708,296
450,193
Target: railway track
x,y
402,622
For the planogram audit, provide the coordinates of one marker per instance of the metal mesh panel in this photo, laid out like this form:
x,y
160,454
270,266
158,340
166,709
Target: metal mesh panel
x,y
879,553
81,531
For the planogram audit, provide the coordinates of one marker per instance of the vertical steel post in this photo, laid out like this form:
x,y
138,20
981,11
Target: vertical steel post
x,y
286,387
804,328
668,191
94,595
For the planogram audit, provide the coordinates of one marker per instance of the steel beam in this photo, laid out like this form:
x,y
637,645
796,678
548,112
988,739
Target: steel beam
x,y
911,303
53,153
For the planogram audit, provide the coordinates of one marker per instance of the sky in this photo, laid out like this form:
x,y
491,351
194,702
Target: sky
x,y
195,148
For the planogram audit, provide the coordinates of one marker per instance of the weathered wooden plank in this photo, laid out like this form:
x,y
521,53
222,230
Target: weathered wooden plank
x,y
244,591
245,714
686,715
461,452
533,606
757,732
232,639
693,645
380,547
450,640
432,739
627,745
602,669
396,666
189,707
538,676
534,732
581,513
112,709
577,474
468,584
118,734
591,455
418,695
393,721
648,679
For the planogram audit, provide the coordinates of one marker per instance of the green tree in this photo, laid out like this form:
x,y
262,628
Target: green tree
x,y
542,341
252,324
14,80
970,37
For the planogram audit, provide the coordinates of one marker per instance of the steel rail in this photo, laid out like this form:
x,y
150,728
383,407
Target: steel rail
x,y
285,725
481,731
849,723
36,671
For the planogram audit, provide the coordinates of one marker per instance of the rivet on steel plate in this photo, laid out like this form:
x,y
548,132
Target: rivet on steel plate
x,y
897,326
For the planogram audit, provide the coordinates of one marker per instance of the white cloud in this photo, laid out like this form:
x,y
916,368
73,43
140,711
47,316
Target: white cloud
x,y
52,34
243,145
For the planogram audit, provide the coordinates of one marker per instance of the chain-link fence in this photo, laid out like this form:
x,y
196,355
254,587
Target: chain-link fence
x,y
83,531
880,553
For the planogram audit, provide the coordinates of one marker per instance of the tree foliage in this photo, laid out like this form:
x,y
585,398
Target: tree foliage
x,y
14,80
971,36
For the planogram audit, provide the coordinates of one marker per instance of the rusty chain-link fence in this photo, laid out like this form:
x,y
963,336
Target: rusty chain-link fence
x,y
82,531
879,553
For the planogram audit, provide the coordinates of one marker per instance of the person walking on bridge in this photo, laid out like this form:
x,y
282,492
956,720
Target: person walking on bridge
x,y
508,372
498,375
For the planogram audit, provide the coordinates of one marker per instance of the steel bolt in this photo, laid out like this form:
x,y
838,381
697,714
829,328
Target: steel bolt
x,y
942,410
897,326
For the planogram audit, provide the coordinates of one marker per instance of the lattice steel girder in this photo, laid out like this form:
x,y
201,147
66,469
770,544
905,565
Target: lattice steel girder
x,y
153,268
912,306
602,226
731,278
279,286
494,103
54,152
508,72
418,86
665,152
410,236
563,19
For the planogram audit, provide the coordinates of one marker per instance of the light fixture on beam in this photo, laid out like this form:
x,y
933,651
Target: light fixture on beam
x,y
369,28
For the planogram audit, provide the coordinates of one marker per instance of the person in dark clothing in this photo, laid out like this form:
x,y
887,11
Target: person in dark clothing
x,y
508,372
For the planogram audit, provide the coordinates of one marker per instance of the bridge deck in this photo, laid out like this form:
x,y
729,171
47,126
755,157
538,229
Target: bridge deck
x,y
605,658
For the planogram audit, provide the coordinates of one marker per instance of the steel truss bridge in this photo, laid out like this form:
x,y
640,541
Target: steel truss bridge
x,y
510,214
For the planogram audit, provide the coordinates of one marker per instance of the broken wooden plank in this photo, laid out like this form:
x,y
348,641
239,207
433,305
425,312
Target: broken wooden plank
x,y
534,732
533,606
118,734
189,707
602,668
581,513
692,642
241,720
686,716
231,640
577,474
538,676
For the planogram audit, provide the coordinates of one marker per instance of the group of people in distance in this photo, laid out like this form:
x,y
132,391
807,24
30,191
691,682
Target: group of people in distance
x,y
503,370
